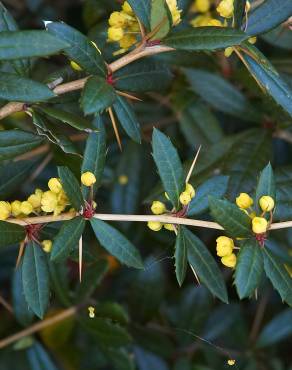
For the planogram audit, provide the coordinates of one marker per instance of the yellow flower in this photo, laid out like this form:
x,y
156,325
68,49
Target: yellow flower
x,y
127,41
225,8
123,180
91,312
54,185
154,225
16,208
215,23
252,40
175,12
231,362
5,210
185,198
115,33
26,208
117,19
158,207
47,245
229,261
247,6
88,178
244,201
189,189
202,6
259,225
49,201
224,246
201,20
75,66
267,203
169,227
127,8
228,51
35,199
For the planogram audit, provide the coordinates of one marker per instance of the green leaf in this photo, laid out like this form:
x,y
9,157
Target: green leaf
x,y
272,83
120,359
249,268
97,95
236,223
10,233
39,359
283,209
28,44
116,244
142,10
278,276
70,118
278,329
94,156
127,118
160,16
220,94
143,76
216,186
205,38
67,238
35,278
80,49
169,166
107,332
71,187
17,88
180,256
268,15
113,311
266,185
203,263
238,13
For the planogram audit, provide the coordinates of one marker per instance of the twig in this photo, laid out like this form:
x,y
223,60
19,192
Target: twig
x,y
13,107
39,326
6,304
258,317
41,167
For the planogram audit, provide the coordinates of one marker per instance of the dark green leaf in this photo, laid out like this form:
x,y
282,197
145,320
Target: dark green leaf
x,y
283,209
238,13
236,223
160,17
80,49
28,44
181,259
205,38
204,265
35,278
278,276
97,95
116,244
169,166
268,15
121,359
113,311
266,185
17,88
127,118
94,156
70,118
39,359
147,360
216,186
67,238
142,10
249,268
10,233
278,329
71,187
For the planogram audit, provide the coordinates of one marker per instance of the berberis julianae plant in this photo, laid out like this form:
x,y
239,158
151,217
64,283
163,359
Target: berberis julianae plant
x,y
145,184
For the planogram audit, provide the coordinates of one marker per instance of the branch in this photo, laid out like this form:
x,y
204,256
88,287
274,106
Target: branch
x,y
135,218
14,107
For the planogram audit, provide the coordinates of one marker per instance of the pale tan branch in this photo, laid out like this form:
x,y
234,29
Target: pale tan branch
x,y
13,107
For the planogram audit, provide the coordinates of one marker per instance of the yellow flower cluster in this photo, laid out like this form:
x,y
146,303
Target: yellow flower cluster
x,y
266,203
187,195
52,201
224,248
91,312
124,27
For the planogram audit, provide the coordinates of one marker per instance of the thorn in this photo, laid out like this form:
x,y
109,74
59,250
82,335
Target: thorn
x,y
47,22
132,97
20,253
193,165
112,117
80,258
196,276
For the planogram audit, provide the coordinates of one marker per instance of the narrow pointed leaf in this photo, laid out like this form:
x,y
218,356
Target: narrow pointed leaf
x,y
116,244
10,233
181,258
67,238
71,187
35,278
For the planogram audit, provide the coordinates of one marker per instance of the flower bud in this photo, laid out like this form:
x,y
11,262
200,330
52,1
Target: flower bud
x,y
75,66
225,8
244,201
47,245
115,33
267,203
185,198
26,208
202,6
91,312
49,201
224,246
169,227
16,208
123,180
5,210
88,178
117,19
229,261
259,225
154,225
158,207
231,362
127,8
55,185
189,189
